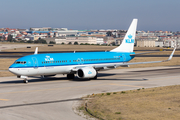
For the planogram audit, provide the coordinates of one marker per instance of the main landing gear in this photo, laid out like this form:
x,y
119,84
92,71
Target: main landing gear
x,y
70,76
95,77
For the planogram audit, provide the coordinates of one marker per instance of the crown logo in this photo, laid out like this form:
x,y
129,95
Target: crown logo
x,y
130,36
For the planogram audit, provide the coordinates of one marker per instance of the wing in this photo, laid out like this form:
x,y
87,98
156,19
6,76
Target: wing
x,y
143,53
122,64
126,64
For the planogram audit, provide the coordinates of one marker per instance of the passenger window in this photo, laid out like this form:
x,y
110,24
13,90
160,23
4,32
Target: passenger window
x,y
20,62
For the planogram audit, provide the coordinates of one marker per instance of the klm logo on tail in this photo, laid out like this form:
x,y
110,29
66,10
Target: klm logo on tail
x,y
130,40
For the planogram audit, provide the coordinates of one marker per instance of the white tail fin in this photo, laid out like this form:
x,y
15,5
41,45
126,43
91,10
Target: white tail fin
x,y
127,44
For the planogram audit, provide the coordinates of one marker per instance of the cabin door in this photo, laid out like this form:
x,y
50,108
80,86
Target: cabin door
x,y
35,62
124,57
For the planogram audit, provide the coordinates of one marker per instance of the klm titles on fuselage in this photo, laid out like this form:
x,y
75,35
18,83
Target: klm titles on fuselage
x,y
48,58
129,40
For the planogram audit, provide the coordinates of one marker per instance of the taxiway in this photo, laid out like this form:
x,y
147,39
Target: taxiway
x,y
53,98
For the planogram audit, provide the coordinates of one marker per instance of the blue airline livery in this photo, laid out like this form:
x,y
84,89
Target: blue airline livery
x,y
84,64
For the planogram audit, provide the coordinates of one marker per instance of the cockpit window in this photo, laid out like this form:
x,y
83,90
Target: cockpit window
x,y
20,62
17,62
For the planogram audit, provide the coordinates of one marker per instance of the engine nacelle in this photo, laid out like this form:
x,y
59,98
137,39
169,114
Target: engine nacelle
x,y
86,72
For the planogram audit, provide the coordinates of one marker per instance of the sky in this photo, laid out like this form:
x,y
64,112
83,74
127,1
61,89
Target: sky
x,y
91,14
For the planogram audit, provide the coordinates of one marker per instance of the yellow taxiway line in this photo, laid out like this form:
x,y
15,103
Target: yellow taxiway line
x,y
4,99
51,89
54,89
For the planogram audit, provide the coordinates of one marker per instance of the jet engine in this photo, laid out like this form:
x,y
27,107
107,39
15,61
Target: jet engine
x,y
86,72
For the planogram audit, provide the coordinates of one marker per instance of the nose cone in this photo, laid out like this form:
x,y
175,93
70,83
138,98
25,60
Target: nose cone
x,y
10,69
13,70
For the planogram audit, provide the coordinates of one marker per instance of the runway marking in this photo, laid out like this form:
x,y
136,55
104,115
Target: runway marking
x,y
4,99
126,85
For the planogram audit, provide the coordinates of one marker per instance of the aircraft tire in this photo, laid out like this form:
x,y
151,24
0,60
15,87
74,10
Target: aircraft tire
x,y
25,81
70,76
95,77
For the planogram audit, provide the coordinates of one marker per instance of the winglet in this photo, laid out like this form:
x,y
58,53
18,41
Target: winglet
x,y
36,51
170,57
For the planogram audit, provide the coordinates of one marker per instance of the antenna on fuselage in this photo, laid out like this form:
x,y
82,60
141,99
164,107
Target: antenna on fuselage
x,y
36,51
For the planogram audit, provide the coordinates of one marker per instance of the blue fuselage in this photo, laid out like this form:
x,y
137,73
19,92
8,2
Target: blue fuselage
x,y
67,59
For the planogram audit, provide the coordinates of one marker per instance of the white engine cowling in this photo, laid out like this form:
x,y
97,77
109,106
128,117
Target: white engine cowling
x,y
86,72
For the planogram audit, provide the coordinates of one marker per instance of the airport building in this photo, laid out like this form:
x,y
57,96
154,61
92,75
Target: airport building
x,y
159,44
170,43
99,40
146,43
79,40
109,40
67,32
84,39
60,40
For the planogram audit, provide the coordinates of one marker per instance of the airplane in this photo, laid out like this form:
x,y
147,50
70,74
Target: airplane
x,y
84,64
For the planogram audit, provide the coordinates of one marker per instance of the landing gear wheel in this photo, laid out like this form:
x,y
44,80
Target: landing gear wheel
x,y
95,77
42,76
25,81
70,76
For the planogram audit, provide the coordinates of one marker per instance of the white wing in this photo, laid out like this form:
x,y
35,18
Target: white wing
x,y
126,64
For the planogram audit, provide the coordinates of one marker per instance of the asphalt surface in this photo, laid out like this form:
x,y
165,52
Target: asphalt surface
x,y
53,98
21,54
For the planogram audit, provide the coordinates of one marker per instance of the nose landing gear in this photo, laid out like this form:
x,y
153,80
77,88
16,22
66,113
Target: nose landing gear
x,y
24,77
25,81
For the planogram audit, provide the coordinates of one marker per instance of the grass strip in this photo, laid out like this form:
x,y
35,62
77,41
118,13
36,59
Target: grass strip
x,y
140,104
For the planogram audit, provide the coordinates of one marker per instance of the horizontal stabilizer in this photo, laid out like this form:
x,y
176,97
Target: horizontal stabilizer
x,y
136,54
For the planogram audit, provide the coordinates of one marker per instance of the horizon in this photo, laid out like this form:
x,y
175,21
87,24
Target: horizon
x,y
95,14
94,29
